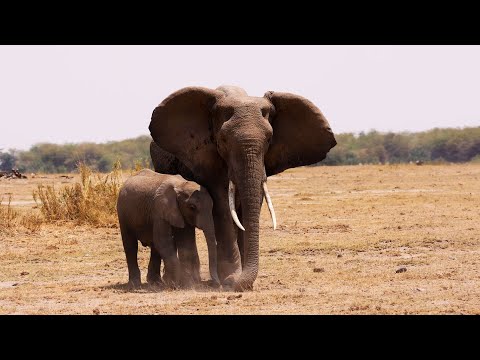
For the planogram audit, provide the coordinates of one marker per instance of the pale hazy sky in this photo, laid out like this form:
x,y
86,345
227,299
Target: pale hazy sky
x,y
99,93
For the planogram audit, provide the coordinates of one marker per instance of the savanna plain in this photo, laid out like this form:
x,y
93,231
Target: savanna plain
x,y
372,239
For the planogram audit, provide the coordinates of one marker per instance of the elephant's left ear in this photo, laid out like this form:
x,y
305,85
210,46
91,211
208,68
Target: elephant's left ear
x,y
301,134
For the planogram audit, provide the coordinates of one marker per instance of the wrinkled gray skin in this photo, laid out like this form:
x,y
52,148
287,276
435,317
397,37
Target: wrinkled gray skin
x,y
152,208
216,136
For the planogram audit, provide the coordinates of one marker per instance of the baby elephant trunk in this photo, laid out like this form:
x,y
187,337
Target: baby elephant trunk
x,y
212,253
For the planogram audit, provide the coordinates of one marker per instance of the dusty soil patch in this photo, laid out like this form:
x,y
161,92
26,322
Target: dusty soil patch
x,y
344,232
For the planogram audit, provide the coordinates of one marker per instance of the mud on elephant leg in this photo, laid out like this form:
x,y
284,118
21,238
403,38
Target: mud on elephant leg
x,y
188,255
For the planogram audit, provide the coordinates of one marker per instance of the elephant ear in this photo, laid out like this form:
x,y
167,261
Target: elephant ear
x,y
166,205
181,126
301,134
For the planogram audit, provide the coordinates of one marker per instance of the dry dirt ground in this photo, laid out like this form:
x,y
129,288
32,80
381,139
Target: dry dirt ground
x,y
344,234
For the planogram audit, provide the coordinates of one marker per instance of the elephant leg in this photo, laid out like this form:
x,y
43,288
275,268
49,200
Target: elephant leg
x,y
187,254
229,263
165,246
153,275
130,246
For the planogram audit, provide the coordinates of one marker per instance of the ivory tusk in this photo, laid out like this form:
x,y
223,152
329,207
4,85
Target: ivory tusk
x,y
231,204
270,205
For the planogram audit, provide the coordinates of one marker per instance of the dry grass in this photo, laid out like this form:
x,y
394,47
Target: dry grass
x,y
11,220
32,222
92,201
8,216
343,233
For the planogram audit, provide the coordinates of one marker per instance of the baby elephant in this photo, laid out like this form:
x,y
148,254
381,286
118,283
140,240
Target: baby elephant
x,y
148,205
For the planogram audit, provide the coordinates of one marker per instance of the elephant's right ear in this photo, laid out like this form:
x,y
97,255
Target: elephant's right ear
x,y
181,126
166,205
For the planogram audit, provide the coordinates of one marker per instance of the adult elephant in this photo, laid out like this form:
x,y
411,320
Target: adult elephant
x,y
230,142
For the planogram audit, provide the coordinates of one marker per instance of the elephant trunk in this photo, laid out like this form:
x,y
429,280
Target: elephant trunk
x,y
212,252
251,197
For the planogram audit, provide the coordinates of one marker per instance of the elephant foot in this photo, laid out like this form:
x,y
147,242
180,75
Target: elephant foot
x,y
243,287
156,283
196,277
187,281
190,275
134,284
170,281
213,283
232,283
154,279
228,270
228,283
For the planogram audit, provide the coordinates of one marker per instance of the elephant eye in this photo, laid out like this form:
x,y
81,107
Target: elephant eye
x,y
192,207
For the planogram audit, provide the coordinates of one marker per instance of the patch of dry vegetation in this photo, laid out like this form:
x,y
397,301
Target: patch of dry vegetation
x,y
11,219
32,222
92,201
8,216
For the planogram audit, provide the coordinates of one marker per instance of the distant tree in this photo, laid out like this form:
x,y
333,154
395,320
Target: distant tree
x,y
372,147
439,145
396,147
7,161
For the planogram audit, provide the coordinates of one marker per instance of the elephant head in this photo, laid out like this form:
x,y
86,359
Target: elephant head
x,y
231,140
179,202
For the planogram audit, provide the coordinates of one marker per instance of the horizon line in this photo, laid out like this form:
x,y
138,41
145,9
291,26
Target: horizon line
x,y
357,133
